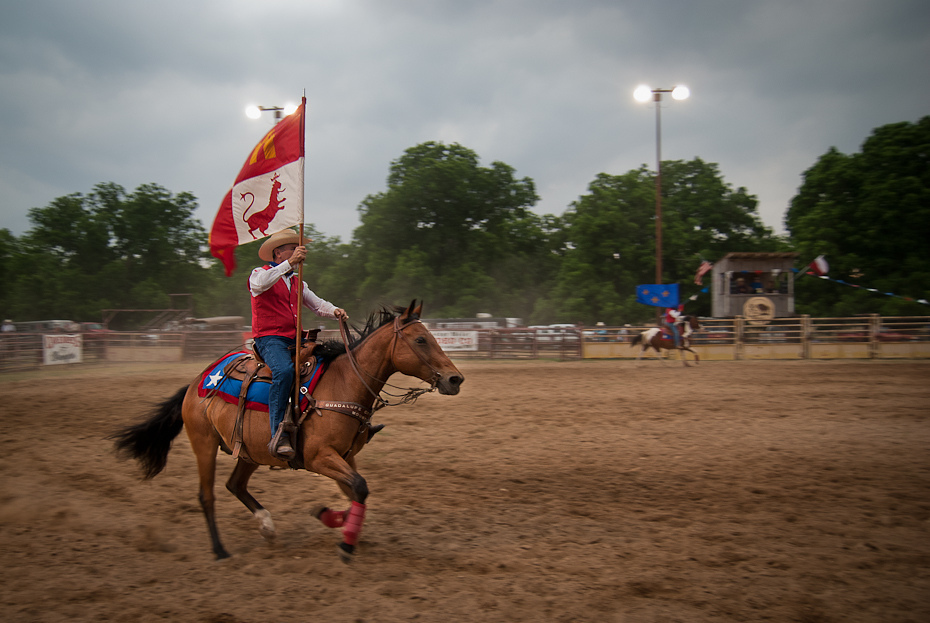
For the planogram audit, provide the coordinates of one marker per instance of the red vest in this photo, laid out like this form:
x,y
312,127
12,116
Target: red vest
x,y
274,311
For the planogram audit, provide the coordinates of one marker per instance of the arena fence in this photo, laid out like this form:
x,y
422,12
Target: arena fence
x,y
803,337
23,351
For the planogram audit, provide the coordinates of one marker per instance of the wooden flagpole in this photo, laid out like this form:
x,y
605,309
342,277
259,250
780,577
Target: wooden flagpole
x,y
300,269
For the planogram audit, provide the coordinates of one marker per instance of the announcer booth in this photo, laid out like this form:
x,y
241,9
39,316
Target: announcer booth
x,y
754,285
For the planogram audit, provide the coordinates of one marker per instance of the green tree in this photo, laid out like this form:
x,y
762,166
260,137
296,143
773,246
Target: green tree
x,y
8,251
869,214
457,234
610,235
108,249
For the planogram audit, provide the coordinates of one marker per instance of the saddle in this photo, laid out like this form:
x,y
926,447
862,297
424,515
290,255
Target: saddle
x,y
242,370
242,378
666,335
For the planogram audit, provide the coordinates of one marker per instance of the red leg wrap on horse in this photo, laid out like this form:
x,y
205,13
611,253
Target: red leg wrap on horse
x,y
332,519
353,523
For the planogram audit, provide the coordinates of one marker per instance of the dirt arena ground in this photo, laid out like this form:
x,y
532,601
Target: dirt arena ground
x,y
546,491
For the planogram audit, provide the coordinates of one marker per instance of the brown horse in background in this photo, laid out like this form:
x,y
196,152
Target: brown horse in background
x,y
659,341
331,432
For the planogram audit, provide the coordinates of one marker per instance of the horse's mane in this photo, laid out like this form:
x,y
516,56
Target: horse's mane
x,y
332,348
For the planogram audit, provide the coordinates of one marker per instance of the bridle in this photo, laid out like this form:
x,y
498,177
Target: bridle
x,y
412,393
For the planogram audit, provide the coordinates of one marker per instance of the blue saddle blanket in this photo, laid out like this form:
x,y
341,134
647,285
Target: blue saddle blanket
x,y
216,382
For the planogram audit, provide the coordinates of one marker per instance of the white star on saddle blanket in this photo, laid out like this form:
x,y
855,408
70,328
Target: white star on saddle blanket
x,y
214,379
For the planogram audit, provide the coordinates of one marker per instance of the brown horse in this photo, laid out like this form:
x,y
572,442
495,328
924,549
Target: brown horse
x,y
654,338
329,436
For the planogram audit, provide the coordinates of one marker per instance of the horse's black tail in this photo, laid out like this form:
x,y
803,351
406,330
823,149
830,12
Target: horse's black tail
x,y
150,441
636,340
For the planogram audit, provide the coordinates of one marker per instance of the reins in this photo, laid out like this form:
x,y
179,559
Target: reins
x,y
412,393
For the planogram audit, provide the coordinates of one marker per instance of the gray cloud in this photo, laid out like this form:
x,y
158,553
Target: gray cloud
x,y
100,91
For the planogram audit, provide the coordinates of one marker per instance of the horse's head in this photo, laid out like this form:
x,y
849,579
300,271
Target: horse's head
x,y
417,353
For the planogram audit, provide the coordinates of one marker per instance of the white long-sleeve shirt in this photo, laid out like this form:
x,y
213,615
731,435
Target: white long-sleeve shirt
x,y
261,279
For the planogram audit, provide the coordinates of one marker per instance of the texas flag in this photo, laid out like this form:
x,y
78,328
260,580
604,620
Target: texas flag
x,y
267,195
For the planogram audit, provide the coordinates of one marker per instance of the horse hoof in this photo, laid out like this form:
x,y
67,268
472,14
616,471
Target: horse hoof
x,y
346,552
265,524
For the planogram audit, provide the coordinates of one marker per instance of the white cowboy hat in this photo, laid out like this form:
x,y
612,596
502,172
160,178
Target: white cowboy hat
x,y
281,238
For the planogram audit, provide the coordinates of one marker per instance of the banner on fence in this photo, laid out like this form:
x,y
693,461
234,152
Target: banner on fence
x,y
457,340
64,348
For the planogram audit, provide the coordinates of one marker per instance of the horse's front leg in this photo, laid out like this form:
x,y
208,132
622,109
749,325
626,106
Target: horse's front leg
x,y
238,484
697,357
354,487
681,353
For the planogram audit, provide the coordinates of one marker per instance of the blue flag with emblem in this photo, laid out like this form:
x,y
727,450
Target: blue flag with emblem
x,y
657,294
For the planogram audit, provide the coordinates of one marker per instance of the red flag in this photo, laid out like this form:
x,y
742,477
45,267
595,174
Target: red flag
x,y
267,195
701,271
820,266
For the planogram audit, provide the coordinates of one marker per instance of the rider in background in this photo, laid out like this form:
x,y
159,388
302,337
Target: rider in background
x,y
670,319
274,323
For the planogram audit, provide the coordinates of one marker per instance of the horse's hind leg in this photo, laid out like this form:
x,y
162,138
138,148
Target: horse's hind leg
x,y
205,441
697,357
206,466
659,354
238,484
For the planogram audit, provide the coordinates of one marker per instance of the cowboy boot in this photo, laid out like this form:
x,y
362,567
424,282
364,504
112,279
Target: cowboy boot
x,y
280,445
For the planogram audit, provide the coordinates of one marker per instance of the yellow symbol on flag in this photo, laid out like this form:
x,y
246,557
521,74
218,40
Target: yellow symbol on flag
x,y
266,146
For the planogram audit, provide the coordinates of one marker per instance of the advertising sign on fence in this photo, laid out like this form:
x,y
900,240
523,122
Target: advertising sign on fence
x,y
457,340
62,348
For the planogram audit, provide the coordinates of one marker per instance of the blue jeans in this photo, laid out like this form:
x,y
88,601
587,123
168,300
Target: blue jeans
x,y
674,331
274,350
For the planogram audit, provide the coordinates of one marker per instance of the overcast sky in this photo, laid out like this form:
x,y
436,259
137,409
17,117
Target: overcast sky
x,y
136,92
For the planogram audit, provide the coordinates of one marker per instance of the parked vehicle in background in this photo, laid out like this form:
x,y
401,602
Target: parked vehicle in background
x,y
884,334
47,326
92,327
714,335
780,333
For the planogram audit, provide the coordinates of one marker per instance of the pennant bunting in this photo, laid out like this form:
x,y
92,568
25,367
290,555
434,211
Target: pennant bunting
x,y
873,290
819,266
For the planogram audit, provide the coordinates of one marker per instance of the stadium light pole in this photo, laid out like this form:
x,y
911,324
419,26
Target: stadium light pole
x,y
644,93
254,112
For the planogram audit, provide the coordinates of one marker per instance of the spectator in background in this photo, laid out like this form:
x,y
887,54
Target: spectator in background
x,y
7,326
740,287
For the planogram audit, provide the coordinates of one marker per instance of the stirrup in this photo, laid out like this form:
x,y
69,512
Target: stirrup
x,y
280,445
